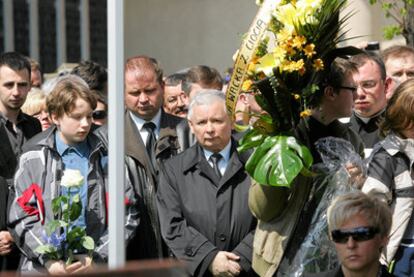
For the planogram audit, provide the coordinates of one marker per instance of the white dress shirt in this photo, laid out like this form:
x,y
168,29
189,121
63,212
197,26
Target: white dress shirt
x,y
139,122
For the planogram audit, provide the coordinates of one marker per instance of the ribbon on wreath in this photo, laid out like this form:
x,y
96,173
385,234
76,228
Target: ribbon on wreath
x,y
25,201
247,51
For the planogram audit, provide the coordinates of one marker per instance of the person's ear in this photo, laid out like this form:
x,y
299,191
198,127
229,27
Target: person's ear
x,y
190,123
389,88
329,93
55,119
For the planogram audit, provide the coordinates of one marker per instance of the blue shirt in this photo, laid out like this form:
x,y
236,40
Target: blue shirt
x,y
75,157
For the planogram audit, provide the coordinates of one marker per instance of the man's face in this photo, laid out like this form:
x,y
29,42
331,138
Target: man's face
x,y
143,93
211,126
357,256
175,101
75,126
399,69
14,86
371,90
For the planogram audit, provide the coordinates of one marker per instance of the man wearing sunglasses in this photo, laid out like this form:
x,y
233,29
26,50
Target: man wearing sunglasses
x,y
359,226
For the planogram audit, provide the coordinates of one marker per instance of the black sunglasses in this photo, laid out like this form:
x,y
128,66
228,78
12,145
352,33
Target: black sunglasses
x,y
352,89
99,114
357,234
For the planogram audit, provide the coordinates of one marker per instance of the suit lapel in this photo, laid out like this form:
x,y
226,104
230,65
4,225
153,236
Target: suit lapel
x,y
168,135
134,146
234,165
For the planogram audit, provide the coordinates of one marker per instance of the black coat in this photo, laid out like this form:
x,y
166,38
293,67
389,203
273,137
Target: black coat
x,y
369,132
11,261
201,215
8,160
147,242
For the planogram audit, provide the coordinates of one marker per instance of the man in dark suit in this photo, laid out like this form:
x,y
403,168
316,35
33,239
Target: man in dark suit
x,y
15,129
202,196
151,137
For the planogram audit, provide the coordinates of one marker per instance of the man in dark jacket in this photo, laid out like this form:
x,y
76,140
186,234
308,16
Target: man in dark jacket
x,y
202,196
151,137
15,129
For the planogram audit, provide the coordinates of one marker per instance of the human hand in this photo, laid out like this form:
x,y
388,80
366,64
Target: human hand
x,y
356,176
59,267
225,264
85,261
6,243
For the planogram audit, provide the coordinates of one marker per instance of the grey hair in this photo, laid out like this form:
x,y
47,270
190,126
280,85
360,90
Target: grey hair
x,y
346,206
206,97
50,84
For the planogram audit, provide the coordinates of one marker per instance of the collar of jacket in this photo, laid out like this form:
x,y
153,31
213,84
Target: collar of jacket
x,y
166,140
394,144
195,154
168,134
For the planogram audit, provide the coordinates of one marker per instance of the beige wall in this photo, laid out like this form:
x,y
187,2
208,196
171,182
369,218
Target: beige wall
x,y
367,24
181,33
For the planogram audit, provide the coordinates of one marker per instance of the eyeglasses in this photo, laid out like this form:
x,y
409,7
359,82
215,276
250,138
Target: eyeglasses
x,y
99,114
357,234
352,89
364,85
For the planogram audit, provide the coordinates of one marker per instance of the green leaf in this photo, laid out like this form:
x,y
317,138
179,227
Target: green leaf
x,y
391,31
278,160
279,166
75,234
302,151
45,249
52,226
75,211
56,208
76,198
252,138
63,223
88,243
259,152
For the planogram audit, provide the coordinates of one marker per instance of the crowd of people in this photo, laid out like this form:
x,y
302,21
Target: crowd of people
x,y
187,194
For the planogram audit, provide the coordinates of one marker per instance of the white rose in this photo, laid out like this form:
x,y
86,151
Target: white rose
x,y
71,178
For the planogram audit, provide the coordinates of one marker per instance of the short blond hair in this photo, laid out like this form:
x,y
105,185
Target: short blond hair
x,y
35,102
346,206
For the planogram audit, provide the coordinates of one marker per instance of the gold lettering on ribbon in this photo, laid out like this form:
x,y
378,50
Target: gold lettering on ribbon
x,y
247,50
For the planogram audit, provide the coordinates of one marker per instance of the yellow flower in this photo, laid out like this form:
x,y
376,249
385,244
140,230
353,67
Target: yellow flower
x,y
306,113
318,64
296,96
247,84
267,63
290,51
279,53
251,68
309,50
298,41
287,15
284,35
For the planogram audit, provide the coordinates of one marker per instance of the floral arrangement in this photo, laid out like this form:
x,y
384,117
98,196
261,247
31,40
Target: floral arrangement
x,y
63,239
303,36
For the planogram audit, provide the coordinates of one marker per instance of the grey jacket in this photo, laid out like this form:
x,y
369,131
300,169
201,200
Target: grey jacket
x,y
390,176
42,165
